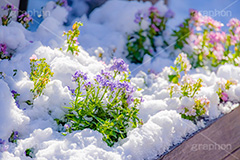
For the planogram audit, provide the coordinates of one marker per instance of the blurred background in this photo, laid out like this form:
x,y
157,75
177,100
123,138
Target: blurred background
x,y
221,10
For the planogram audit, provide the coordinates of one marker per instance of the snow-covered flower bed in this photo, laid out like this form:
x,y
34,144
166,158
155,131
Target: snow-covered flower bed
x,y
67,97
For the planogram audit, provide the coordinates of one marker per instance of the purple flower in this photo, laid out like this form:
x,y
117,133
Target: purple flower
x,y
3,49
142,100
64,3
9,6
126,86
15,95
139,16
25,17
99,78
169,14
22,15
157,20
88,85
17,103
129,99
107,75
119,65
155,28
79,74
14,92
181,25
71,90
112,85
67,126
2,141
15,135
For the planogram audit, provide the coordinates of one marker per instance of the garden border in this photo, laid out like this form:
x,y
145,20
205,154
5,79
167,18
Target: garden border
x,y
220,140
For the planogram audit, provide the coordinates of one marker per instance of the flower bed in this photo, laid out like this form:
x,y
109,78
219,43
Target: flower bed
x,y
67,96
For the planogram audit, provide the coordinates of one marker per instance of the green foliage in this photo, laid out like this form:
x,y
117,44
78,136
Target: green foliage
x,y
40,75
29,152
196,111
142,42
72,36
106,105
181,64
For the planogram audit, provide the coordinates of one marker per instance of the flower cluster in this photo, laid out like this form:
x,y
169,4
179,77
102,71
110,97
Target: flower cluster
x,y
223,86
6,19
40,74
72,36
210,45
14,137
3,52
3,145
15,95
142,42
105,104
25,19
192,106
193,109
187,88
181,64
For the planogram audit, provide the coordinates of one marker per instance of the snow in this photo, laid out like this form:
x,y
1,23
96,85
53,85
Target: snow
x,y
11,118
104,32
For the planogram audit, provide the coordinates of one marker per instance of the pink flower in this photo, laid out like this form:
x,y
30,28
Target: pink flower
x,y
224,96
76,40
211,23
191,112
181,109
3,48
234,22
155,28
216,37
34,57
218,51
153,9
188,79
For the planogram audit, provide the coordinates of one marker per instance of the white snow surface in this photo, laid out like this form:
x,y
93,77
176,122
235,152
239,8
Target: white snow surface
x,y
103,32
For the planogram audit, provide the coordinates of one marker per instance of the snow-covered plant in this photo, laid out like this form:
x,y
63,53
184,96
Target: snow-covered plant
x,y
6,19
14,137
25,19
3,145
181,64
3,52
187,88
40,74
63,3
72,36
223,86
142,42
105,104
2,75
15,95
210,45
193,108
29,152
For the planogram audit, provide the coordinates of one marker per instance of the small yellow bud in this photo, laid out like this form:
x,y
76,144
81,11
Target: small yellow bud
x,y
74,27
236,48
